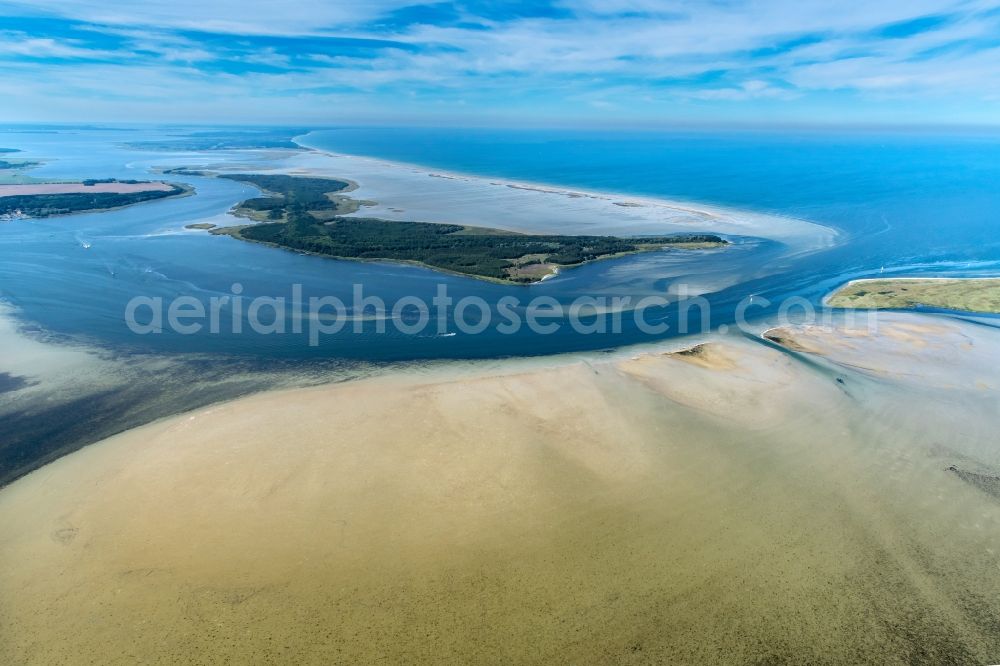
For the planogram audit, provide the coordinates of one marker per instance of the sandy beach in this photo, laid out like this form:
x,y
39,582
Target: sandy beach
x,y
682,503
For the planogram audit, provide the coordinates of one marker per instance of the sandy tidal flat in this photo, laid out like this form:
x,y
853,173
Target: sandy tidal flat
x,y
81,188
733,503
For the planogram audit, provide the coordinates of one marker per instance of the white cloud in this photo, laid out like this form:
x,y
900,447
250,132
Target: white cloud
x,y
753,89
18,44
230,16
655,53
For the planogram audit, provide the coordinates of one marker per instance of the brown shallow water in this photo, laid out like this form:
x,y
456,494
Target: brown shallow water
x,y
739,504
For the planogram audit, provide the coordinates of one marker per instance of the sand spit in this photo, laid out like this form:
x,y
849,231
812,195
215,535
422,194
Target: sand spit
x,y
706,355
731,504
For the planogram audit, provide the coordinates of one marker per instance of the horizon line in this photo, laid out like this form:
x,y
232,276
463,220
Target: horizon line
x,y
692,125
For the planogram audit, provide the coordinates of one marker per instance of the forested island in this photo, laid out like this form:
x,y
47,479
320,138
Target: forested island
x,y
307,214
49,199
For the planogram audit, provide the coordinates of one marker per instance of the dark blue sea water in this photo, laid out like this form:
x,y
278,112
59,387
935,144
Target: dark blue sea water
x,y
906,203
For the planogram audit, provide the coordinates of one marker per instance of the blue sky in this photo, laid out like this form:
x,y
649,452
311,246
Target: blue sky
x,y
483,62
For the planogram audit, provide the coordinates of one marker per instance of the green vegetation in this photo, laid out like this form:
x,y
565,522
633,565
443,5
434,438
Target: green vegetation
x,y
297,193
970,295
309,207
47,205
